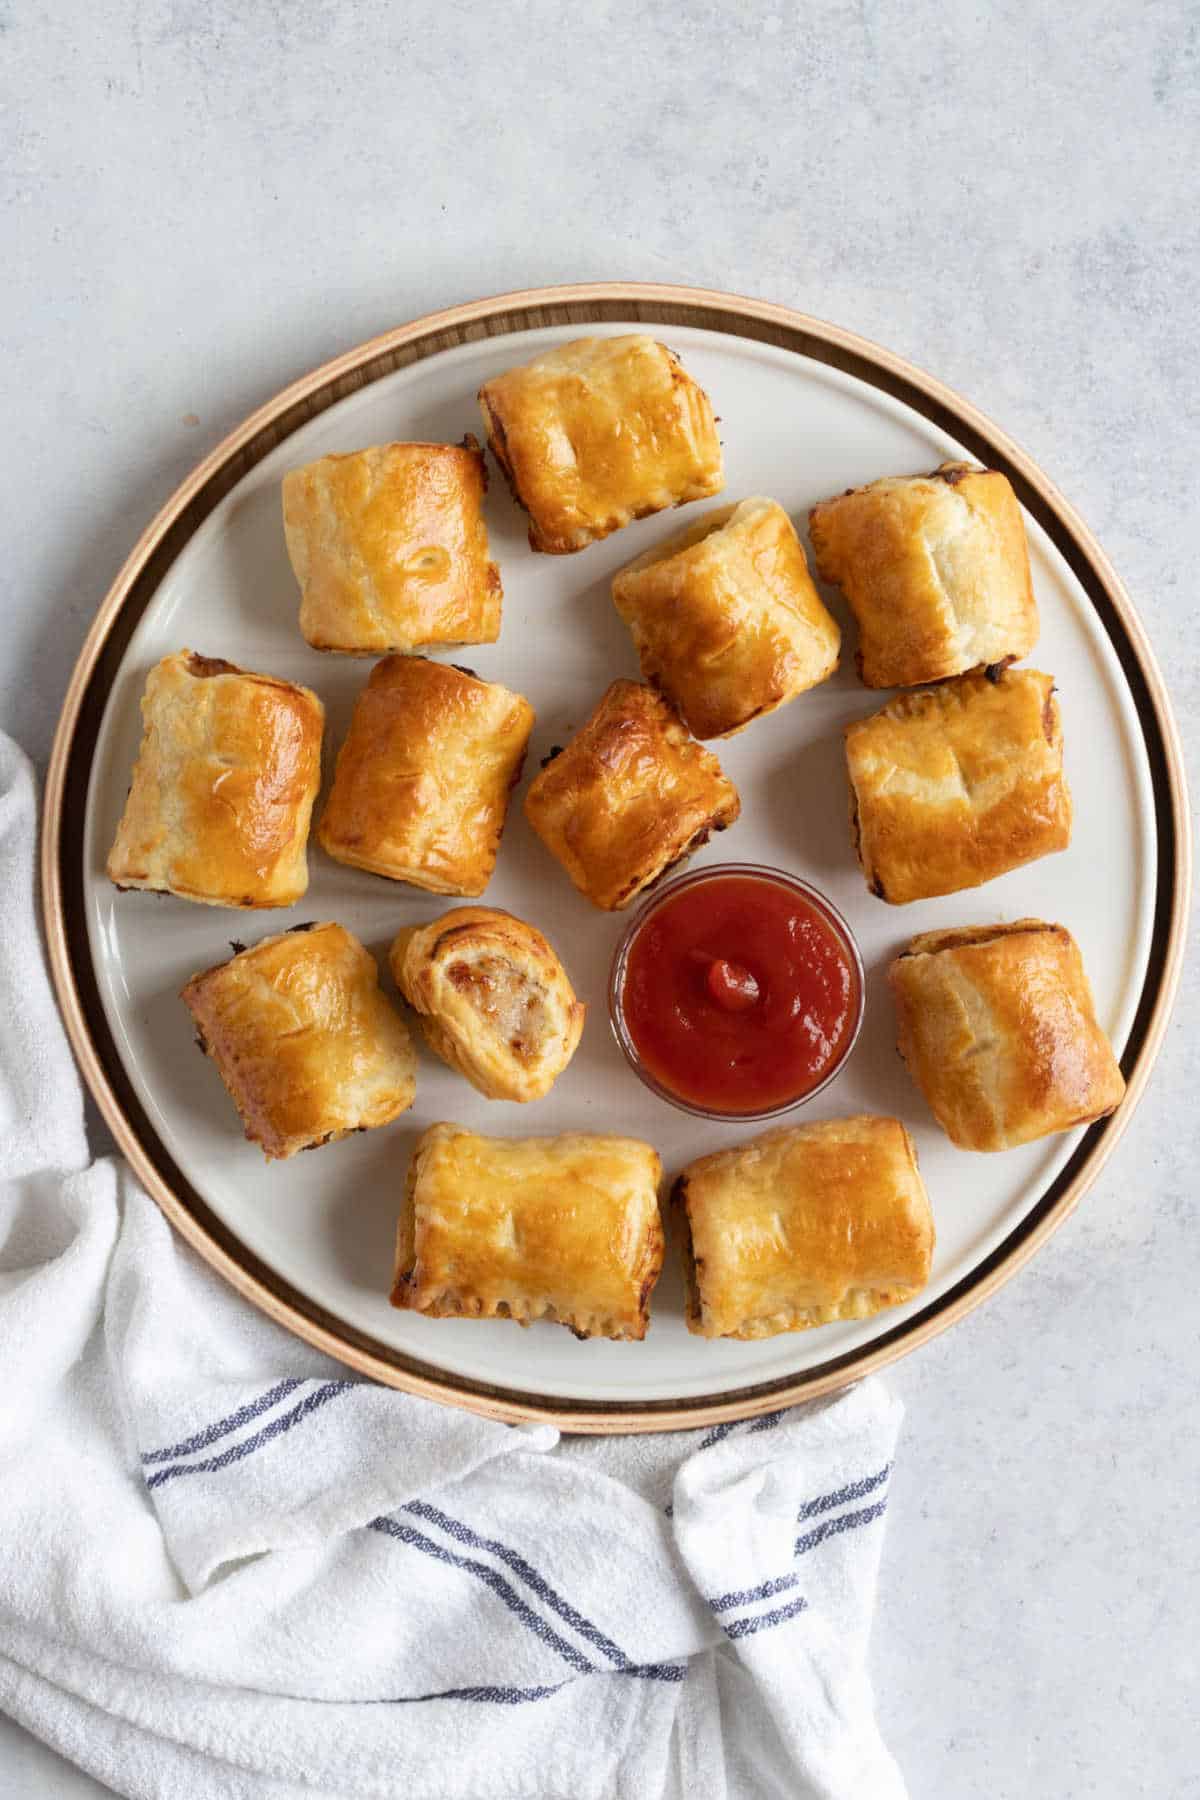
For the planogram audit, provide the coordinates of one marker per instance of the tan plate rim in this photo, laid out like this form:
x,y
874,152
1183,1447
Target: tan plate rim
x,y
74,742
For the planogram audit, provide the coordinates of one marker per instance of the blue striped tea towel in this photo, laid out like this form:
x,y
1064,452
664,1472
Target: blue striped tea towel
x,y
227,1570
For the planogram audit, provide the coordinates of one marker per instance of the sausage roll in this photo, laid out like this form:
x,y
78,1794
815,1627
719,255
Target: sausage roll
x,y
494,1000
421,787
564,1228
631,794
390,548
997,1027
804,1226
597,433
223,786
951,787
304,1040
725,617
935,569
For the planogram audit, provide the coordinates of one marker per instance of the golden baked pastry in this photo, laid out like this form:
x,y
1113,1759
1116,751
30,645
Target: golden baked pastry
x,y
223,786
935,569
598,433
305,1042
390,548
953,786
997,1026
804,1226
421,787
494,1000
630,795
725,617
564,1228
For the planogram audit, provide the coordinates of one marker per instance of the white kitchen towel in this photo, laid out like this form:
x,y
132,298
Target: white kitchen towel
x,y
227,1569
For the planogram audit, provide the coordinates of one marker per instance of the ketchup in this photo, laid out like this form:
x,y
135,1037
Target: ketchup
x,y
740,994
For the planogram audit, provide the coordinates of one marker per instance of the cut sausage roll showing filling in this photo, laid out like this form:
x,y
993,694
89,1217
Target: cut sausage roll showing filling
x,y
804,1226
565,1229
494,1001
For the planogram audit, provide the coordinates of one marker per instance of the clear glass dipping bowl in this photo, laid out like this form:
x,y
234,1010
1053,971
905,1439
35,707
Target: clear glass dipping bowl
x,y
715,873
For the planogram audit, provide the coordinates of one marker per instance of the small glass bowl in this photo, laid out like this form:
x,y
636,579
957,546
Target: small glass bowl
x,y
720,872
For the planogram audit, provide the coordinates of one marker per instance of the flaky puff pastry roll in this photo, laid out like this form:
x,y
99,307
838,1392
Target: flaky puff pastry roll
x,y
725,617
390,548
223,787
421,788
564,1228
998,1029
305,1042
935,569
804,1226
494,1000
630,795
598,433
952,787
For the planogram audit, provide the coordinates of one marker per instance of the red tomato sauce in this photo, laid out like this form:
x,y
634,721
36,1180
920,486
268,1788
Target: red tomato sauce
x,y
739,994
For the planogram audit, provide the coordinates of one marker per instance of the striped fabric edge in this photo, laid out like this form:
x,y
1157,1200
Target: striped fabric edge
x,y
764,1422
507,1594
748,1624
278,1427
828,1528
740,1628
748,1596
463,1534
503,1695
494,1696
491,1578
853,1490
718,1434
253,1409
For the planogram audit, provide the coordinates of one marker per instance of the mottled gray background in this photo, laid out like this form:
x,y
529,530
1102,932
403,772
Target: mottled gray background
x,y
199,201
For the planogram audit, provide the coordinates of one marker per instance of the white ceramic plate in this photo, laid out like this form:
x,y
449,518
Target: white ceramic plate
x,y
793,429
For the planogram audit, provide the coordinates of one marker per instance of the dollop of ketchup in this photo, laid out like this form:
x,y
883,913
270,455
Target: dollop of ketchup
x,y
739,994
731,986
